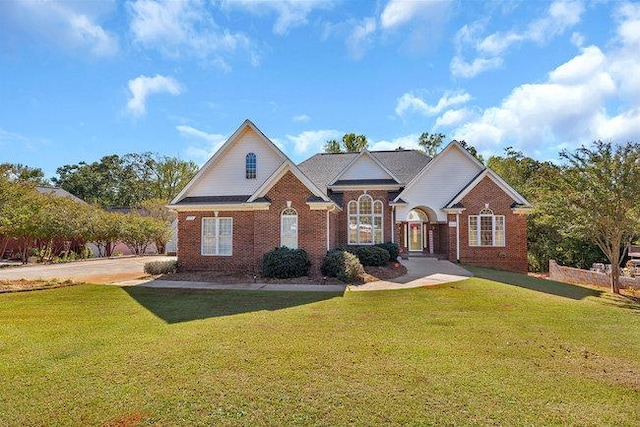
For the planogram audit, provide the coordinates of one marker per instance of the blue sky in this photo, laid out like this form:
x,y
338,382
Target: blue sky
x,y
83,79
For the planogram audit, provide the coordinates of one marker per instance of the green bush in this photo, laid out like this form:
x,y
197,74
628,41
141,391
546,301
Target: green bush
x,y
392,248
284,263
343,265
160,267
370,255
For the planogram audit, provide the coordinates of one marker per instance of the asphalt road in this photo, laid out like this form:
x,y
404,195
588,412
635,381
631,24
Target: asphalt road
x,y
93,270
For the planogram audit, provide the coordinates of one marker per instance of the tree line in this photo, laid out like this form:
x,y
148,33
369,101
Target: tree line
x,y
52,227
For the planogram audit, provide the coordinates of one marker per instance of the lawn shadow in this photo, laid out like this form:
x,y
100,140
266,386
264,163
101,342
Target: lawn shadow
x,y
182,305
552,287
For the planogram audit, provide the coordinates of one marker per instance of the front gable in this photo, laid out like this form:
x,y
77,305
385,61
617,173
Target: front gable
x,y
366,169
224,174
440,180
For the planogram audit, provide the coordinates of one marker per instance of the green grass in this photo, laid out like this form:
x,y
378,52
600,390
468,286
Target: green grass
x,y
514,351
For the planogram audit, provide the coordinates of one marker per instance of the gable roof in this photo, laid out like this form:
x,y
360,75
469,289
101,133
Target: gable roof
x,y
453,145
520,201
258,196
324,168
58,192
279,173
247,124
362,154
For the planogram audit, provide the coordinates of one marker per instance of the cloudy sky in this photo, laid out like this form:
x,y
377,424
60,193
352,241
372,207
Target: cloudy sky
x,y
80,80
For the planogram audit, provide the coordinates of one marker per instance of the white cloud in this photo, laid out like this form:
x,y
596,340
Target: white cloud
x,y
570,108
495,44
213,142
560,16
579,68
398,12
143,86
312,141
453,117
460,68
68,24
181,28
411,103
302,118
290,13
360,39
407,142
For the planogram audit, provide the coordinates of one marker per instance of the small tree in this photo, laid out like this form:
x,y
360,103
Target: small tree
x,y
598,196
351,143
430,142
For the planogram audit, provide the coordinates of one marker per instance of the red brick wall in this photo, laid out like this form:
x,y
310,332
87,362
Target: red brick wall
x,y
342,217
511,257
586,277
256,232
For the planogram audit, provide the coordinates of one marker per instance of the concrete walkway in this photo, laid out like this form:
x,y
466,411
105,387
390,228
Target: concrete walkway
x,y
150,283
93,270
420,272
127,272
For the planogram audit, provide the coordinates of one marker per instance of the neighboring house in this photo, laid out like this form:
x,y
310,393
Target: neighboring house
x,y
250,198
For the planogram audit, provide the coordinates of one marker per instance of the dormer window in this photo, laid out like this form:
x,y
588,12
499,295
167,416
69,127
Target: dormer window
x,y
250,166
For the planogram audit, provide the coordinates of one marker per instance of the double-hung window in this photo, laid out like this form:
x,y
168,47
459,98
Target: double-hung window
x,y
365,221
486,229
217,236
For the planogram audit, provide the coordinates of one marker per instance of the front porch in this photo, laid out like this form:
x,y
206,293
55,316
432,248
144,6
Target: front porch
x,y
422,236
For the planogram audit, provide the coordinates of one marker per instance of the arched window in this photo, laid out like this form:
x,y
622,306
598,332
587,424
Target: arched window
x,y
251,166
365,221
289,228
486,229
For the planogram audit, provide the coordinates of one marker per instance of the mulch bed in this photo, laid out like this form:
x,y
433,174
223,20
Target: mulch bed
x,y
390,271
23,285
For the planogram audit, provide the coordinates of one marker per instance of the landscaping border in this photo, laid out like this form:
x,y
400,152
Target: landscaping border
x,y
578,276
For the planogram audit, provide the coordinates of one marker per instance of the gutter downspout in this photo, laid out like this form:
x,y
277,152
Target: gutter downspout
x,y
393,223
328,230
458,237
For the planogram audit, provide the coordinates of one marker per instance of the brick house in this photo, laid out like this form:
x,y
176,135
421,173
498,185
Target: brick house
x,y
250,198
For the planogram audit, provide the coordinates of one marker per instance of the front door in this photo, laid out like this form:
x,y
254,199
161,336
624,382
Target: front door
x,y
415,237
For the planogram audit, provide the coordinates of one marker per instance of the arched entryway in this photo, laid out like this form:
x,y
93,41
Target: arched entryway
x,y
421,233
416,221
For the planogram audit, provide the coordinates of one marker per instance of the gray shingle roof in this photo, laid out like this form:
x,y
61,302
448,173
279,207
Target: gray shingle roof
x,y
212,199
366,182
58,192
322,168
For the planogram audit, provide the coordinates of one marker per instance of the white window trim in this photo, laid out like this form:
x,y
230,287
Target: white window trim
x,y
282,216
217,221
493,230
373,216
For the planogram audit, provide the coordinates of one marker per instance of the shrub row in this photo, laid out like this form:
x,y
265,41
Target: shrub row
x,y
346,264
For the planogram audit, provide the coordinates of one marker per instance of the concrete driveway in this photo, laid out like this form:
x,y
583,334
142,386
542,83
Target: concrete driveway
x,y
420,272
109,270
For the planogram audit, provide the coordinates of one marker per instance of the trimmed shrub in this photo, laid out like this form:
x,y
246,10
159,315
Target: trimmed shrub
x,y
160,267
284,263
343,265
371,255
392,248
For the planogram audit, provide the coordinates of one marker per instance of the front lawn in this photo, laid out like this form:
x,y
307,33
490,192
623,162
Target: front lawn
x,y
471,352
